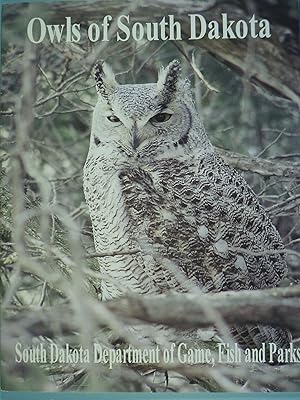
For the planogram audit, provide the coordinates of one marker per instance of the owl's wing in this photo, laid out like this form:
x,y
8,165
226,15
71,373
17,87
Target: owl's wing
x,y
206,219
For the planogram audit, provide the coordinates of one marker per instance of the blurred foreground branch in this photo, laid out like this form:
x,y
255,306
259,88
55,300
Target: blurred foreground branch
x,y
278,307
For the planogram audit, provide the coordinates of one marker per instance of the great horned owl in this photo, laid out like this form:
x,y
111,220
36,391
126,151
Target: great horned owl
x,y
153,181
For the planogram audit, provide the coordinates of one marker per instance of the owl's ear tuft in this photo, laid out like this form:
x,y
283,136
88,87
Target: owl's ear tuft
x,y
105,79
168,79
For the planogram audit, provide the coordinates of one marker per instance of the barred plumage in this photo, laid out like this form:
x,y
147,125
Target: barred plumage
x,y
153,181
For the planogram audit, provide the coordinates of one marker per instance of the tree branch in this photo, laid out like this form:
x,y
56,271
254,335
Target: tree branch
x,y
277,307
287,169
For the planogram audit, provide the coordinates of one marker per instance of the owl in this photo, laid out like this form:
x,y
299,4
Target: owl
x,y
153,182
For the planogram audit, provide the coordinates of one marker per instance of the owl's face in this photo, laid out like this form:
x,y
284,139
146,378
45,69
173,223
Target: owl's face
x,y
142,119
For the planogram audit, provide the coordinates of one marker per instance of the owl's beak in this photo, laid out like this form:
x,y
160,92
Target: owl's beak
x,y
134,137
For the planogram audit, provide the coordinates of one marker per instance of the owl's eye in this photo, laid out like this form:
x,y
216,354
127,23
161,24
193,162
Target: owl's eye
x,y
161,117
113,118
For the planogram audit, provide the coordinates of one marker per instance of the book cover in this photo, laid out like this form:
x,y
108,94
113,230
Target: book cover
x,y
149,206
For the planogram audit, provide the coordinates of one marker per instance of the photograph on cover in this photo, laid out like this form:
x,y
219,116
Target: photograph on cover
x,y
150,196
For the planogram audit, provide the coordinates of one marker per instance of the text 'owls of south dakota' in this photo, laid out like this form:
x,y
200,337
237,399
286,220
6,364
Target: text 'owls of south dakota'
x,y
166,29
